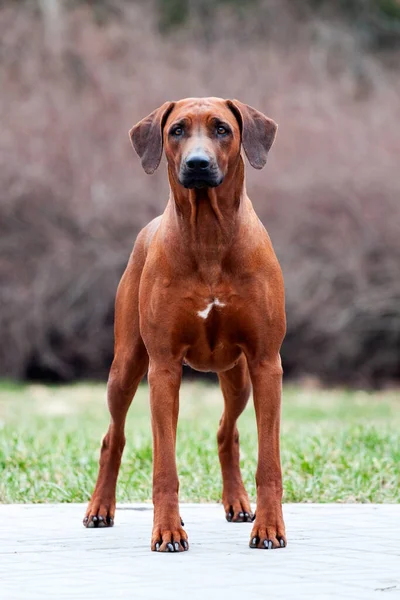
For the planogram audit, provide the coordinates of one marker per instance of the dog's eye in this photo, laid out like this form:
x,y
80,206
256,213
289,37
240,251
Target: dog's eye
x,y
221,130
178,131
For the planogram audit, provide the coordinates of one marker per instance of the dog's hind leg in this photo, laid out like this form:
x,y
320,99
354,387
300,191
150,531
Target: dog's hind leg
x,y
129,366
235,385
122,384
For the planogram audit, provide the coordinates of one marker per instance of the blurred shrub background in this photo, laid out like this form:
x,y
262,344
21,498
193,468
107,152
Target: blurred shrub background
x,y
75,76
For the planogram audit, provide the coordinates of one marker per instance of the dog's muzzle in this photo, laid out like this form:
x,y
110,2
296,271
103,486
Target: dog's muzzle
x,y
198,171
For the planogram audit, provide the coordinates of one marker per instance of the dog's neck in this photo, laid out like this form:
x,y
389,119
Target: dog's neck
x,y
207,219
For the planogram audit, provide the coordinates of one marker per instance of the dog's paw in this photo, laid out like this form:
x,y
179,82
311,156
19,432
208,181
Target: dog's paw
x,y
100,513
168,540
238,509
267,537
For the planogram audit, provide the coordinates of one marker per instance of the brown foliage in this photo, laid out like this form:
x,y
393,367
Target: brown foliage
x,y
73,195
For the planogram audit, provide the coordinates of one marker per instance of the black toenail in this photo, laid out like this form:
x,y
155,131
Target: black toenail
x,y
170,547
185,544
182,523
282,543
157,547
254,541
176,546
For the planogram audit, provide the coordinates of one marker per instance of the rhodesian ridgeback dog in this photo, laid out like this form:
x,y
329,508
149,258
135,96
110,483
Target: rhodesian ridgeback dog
x,y
203,287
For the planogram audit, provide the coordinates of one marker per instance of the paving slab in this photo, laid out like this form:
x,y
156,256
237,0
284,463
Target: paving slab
x,y
334,551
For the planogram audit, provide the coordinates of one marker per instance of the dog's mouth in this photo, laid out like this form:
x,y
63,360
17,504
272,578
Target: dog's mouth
x,y
199,181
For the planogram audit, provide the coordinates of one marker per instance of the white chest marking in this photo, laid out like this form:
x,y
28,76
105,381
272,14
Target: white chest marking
x,y
204,313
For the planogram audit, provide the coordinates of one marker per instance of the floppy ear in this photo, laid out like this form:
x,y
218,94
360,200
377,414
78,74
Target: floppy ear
x,y
147,137
258,132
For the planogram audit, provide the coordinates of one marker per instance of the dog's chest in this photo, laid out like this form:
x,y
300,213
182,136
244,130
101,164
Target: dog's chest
x,y
208,324
215,303
210,331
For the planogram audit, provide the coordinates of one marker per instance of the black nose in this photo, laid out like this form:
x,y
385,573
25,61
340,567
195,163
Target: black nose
x,y
197,162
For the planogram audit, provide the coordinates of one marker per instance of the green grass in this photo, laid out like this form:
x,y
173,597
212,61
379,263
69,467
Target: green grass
x,y
337,446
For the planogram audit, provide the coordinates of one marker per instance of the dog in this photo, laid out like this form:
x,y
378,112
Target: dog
x,y
203,287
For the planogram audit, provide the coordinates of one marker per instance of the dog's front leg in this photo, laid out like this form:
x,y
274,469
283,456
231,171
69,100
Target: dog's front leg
x,y
269,529
164,381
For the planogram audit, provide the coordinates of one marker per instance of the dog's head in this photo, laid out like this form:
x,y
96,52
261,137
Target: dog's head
x,y
202,138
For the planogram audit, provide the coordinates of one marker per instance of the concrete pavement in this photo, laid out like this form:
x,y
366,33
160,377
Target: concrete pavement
x,y
334,551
